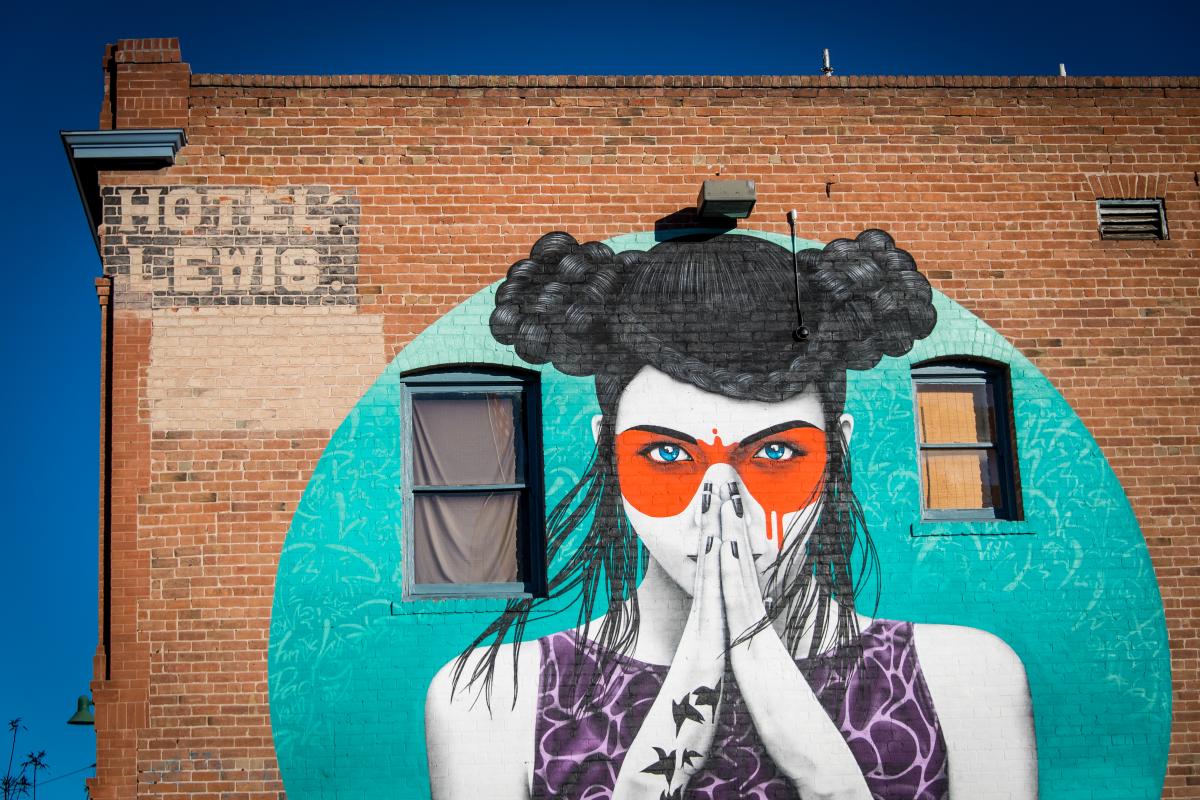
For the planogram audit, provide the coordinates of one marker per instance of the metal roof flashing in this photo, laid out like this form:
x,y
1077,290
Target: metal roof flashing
x,y
89,152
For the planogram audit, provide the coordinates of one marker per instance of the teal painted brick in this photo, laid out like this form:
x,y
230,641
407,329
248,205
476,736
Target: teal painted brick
x,y
349,662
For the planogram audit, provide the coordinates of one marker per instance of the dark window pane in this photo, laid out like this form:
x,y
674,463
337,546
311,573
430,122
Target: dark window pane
x,y
956,413
464,440
961,479
465,538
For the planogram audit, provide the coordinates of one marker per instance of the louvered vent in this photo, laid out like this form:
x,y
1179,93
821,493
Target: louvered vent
x,y
1142,218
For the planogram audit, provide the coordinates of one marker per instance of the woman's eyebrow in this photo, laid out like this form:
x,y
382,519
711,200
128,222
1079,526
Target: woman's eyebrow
x,y
783,426
680,435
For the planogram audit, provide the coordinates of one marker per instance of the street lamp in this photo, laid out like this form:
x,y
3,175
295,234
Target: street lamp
x,y
83,712
725,200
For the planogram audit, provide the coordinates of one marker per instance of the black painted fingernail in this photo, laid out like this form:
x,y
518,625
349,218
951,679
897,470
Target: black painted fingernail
x,y
708,544
736,497
706,498
733,549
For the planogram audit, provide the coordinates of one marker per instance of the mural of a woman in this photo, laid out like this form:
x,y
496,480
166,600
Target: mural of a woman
x,y
716,531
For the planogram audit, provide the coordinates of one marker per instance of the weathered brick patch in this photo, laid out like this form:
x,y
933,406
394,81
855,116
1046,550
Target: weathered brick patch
x,y
260,368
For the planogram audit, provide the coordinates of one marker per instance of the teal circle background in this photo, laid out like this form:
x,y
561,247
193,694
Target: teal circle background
x,y
1071,588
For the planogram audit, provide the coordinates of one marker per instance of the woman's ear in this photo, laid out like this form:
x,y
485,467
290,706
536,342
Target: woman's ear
x,y
596,420
846,423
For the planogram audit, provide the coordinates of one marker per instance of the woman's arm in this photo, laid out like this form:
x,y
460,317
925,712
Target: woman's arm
x,y
982,701
477,751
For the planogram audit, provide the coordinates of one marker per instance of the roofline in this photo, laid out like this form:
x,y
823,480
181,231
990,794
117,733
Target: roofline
x,y
90,152
697,81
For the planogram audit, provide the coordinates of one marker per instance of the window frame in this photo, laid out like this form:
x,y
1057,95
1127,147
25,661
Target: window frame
x,y
527,434
972,373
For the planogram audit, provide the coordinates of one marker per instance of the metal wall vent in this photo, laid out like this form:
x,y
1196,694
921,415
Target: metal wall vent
x,y
1128,218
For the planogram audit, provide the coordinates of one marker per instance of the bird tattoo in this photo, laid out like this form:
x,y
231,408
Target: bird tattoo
x,y
706,696
683,711
687,757
665,765
675,795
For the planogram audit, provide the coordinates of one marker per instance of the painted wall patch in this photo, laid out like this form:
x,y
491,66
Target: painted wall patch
x,y
211,246
1074,606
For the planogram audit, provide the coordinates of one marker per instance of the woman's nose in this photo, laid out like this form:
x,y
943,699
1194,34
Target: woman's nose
x,y
720,476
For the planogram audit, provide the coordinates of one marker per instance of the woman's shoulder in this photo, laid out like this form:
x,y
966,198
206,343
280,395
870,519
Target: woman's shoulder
x,y
981,698
971,675
471,722
956,650
461,688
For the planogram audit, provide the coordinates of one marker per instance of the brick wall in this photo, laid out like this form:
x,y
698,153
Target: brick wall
x,y
221,406
146,85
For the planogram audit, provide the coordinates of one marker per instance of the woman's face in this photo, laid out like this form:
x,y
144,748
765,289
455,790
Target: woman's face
x,y
672,438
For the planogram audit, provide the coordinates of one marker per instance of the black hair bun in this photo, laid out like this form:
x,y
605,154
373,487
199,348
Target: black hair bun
x,y
874,301
553,306
716,312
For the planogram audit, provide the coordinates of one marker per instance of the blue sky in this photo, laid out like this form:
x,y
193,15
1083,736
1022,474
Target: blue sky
x,y
52,59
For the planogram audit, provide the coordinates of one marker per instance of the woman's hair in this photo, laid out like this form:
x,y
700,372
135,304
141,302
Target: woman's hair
x,y
716,312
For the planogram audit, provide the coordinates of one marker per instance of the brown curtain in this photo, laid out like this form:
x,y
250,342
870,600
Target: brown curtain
x,y
465,441
468,538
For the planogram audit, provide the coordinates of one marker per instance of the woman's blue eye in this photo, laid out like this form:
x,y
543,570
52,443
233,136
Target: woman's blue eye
x,y
668,453
777,451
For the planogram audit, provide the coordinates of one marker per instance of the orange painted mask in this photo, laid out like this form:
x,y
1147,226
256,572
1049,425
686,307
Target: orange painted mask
x,y
660,470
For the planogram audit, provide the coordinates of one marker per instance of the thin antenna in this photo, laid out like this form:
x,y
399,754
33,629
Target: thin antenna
x,y
1062,70
800,334
826,69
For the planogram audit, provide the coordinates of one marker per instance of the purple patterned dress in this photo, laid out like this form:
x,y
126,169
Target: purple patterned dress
x,y
880,704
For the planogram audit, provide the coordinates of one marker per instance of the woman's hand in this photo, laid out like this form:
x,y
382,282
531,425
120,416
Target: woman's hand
x,y
798,734
674,740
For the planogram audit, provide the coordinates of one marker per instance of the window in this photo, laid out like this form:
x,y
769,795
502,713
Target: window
x,y
1131,218
966,449
472,470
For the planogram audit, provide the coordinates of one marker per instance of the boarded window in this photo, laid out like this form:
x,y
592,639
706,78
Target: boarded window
x,y
966,451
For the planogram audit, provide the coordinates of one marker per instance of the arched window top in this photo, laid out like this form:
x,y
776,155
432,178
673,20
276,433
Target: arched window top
x,y
965,366
469,373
